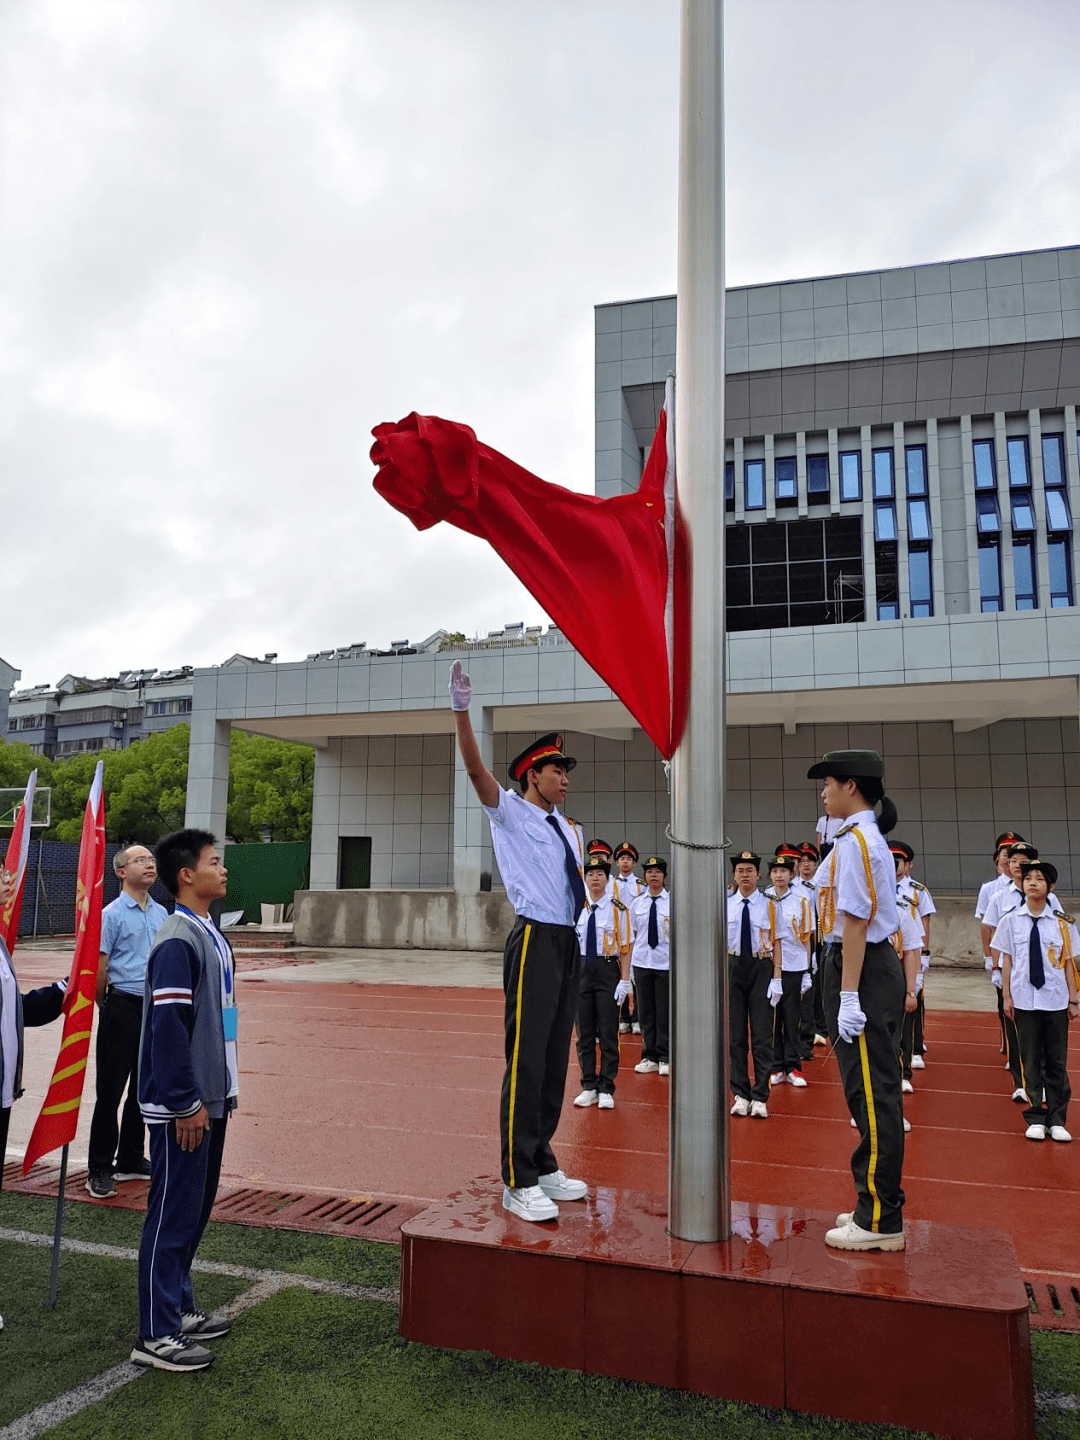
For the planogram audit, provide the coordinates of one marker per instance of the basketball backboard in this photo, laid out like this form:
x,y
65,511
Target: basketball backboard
x,y
11,799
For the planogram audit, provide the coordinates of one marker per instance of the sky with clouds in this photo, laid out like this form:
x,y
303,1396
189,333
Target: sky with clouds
x,y
234,237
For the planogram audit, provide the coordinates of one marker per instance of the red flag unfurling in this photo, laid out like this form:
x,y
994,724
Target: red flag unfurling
x,y
574,553
59,1117
15,865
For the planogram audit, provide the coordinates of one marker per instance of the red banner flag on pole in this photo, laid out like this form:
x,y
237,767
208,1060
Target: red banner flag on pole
x,y
568,549
15,865
56,1124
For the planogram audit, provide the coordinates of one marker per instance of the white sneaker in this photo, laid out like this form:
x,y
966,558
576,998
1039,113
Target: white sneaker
x,y
1007,1065
664,1068
646,1067
636,1028
1035,1132
907,1125
624,1027
853,1125
850,1236
798,1079
844,1218
918,1063
777,1078
906,1088
529,1202
606,1102
558,1186
587,1097
1021,1095
759,1110
1058,1132
741,1106
925,1046
820,1040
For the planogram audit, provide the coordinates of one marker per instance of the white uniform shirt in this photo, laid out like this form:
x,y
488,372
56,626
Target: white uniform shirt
x,y
643,956
759,923
828,827
791,921
9,1030
860,880
531,858
999,882
910,934
916,897
1059,942
1010,897
626,888
607,942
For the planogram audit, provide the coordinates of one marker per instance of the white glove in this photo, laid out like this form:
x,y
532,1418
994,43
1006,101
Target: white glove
x,y
918,983
460,688
805,983
851,1021
622,990
776,991
988,962
924,961
995,978
813,964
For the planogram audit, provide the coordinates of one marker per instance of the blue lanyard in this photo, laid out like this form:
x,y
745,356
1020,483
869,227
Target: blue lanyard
x,y
221,948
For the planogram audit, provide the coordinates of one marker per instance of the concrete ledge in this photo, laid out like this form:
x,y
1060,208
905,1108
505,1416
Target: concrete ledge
x,y
402,919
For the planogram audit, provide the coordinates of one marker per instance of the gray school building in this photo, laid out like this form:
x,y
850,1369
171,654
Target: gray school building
x,y
902,471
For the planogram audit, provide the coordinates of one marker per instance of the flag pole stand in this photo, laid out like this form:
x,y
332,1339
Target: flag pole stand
x,y
58,1231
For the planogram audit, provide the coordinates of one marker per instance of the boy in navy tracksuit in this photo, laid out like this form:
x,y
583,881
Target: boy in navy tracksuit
x,y
187,1086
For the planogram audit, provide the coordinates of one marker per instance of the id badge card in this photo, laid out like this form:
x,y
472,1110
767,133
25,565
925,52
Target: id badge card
x,y
229,1021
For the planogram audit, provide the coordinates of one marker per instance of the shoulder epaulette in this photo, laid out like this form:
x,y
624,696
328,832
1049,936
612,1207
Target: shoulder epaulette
x,y
845,831
917,886
617,904
1067,918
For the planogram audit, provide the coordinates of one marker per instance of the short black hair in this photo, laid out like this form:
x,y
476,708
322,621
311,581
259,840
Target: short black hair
x,y
180,851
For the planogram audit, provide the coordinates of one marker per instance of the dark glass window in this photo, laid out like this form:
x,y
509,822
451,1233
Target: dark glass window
x,y
1019,470
884,521
778,574
884,475
987,518
729,481
787,480
806,542
1024,586
888,582
1061,587
918,519
1053,458
738,545
990,575
1057,511
920,584
915,464
985,465
850,475
768,544
817,475
1023,511
754,475
843,537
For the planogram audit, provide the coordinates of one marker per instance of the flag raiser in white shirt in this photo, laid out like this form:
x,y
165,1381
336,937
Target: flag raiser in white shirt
x,y
531,858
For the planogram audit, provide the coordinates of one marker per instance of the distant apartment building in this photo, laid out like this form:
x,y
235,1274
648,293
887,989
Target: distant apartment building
x,y
80,715
8,676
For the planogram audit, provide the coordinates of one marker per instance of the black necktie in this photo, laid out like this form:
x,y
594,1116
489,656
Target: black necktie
x,y
590,939
746,941
577,885
654,928
1036,973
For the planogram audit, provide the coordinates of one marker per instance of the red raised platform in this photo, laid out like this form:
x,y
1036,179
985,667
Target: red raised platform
x,y
934,1338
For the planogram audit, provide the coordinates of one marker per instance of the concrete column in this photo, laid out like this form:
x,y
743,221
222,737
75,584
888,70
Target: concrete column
x,y
208,773
325,817
473,862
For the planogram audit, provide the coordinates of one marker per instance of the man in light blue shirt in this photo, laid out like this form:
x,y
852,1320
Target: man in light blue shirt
x,y
128,928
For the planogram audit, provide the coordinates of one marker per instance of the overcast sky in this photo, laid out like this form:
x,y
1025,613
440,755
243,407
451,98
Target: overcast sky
x,y
235,236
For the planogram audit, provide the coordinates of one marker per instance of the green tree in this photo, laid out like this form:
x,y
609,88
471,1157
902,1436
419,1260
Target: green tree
x,y
270,788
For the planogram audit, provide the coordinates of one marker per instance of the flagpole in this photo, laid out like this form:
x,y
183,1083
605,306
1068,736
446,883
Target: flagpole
x,y
58,1230
699,1188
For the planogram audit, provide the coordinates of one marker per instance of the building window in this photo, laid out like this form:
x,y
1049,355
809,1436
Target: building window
x,y
888,610
987,517
754,479
915,465
1061,587
985,465
990,575
1019,469
920,585
802,572
1023,511
850,475
1024,586
918,519
817,475
1053,458
787,480
884,522
884,475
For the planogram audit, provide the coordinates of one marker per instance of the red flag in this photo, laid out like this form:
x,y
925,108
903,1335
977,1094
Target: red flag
x,y
15,865
59,1117
573,552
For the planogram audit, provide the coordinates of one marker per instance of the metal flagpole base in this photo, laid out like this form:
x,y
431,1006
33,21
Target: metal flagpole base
x,y
58,1230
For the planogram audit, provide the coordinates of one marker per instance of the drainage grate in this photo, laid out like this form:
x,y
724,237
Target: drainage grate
x,y
1053,1301
254,1207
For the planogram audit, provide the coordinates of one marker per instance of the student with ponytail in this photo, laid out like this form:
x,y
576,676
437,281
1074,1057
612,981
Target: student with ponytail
x,y
863,988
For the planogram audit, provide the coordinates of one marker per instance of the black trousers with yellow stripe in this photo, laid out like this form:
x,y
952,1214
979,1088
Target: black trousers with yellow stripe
x,y
870,1072
540,979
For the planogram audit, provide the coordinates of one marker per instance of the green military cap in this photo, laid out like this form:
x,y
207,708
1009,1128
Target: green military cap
x,y
848,765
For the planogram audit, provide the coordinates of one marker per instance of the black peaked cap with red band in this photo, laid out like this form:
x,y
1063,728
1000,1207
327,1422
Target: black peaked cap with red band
x,y
548,750
626,849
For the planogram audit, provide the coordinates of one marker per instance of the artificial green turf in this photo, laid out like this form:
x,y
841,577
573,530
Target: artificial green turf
x,y
92,1327
328,1257
1055,1361
318,1366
